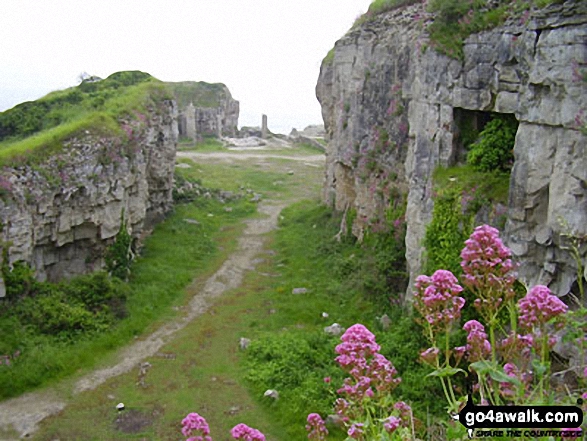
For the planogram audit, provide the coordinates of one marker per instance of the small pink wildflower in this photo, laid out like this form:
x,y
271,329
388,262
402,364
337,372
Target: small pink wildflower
x,y
539,306
316,428
196,427
430,356
356,431
437,298
487,267
243,432
577,432
505,388
478,347
405,412
391,424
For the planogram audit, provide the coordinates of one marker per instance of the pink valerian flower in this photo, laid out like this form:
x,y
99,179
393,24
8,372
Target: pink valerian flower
x,y
356,431
430,356
391,424
518,348
505,388
243,432
575,436
342,407
405,412
316,427
358,344
478,347
539,307
369,370
196,427
488,268
437,300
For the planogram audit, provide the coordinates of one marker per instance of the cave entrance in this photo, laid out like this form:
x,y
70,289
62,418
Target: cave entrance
x,y
496,131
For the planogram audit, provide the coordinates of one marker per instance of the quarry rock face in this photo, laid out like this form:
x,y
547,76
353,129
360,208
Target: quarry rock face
x,y
392,105
206,110
59,215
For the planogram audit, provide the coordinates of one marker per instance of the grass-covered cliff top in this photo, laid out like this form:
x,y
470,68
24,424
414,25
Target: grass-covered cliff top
x,y
95,104
454,20
200,93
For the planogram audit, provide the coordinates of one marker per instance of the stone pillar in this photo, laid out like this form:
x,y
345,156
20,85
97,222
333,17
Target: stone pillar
x,y
219,125
190,122
264,127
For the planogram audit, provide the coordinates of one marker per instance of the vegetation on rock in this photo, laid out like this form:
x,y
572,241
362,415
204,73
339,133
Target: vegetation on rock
x,y
493,149
98,106
455,20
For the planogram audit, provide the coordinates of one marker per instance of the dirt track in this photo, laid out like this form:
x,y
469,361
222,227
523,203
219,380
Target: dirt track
x,y
24,413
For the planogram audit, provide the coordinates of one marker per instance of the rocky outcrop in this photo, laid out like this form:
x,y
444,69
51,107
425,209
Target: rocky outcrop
x,y
59,214
205,110
391,107
312,135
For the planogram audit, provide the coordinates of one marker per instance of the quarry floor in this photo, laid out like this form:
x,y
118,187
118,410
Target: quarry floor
x,y
24,414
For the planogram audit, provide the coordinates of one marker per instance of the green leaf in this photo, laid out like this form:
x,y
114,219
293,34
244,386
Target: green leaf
x,y
445,372
500,375
539,367
482,367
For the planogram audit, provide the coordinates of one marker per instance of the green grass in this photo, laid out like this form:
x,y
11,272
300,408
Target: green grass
x,y
493,185
173,256
271,181
50,141
208,145
31,131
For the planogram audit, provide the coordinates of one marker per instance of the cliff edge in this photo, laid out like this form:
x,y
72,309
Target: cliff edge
x,y
393,108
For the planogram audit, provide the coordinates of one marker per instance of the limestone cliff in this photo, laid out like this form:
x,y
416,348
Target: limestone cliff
x,y
59,213
205,109
391,107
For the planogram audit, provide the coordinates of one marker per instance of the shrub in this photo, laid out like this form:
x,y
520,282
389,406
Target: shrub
x,y
19,281
98,293
494,148
447,231
119,255
54,314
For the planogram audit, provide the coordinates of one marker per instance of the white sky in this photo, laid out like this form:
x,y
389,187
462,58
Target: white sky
x,y
267,52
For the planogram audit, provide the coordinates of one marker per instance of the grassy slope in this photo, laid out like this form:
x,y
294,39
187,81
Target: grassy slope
x,y
33,130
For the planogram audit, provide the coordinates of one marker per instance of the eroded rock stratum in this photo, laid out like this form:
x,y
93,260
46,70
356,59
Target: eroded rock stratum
x,y
59,214
391,106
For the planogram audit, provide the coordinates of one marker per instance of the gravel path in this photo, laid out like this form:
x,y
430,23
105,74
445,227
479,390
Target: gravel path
x,y
24,413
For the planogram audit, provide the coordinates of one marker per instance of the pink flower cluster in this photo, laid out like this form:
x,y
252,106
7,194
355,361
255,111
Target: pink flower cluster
x,y
487,265
514,372
196,427
245,433
478,347
430,356
316,428
391,424
370,371
356,431
437,299
539,306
